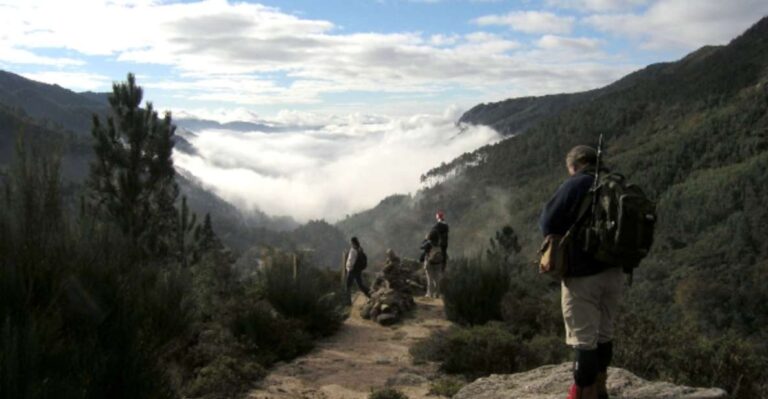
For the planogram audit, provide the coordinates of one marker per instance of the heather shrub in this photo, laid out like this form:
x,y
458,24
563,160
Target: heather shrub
x,y
310,295
473,351
680,353
224,377
446,386
531,308
473,289
83,315
387,393
270,336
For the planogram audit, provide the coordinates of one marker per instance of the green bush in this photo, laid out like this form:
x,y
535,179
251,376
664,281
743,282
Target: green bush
x,y
531,308
313,296
472,290
224,377
472,351
270,336
446,386
491,348
678,352
387,393
81,316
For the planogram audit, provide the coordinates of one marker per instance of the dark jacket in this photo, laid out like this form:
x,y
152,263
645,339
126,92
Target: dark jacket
x,y
439,236
560,213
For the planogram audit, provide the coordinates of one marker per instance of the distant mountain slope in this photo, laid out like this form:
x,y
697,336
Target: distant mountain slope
x,y
60,120
693,133
75,150
517,115
53,105
197,125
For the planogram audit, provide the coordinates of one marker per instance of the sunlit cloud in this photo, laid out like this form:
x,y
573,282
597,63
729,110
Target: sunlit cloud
x,y
327,172
246,54
681,24
530,21
78,81
597,5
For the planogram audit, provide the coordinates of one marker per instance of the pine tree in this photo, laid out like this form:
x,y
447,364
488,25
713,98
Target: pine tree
x,y
206,237
186,232
132,179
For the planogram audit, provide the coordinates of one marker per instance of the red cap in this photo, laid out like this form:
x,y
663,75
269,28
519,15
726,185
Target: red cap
x,y
440,214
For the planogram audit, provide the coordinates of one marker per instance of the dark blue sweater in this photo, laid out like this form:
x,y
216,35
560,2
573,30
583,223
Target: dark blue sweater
x,y
560,213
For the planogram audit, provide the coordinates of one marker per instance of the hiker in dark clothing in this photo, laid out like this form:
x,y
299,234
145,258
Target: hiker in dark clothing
x,y
436,248
591,291
440,232
356,260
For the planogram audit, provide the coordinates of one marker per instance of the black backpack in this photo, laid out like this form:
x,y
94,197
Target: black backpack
x,y
362,260
619,221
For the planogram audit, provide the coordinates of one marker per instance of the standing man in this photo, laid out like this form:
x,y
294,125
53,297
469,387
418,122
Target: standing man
x,y
357,260
591,291
437,258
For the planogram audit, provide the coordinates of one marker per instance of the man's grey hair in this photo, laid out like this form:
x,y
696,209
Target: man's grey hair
x,y
581,155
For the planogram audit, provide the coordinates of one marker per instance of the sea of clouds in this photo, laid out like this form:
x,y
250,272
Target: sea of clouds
x,y
327,167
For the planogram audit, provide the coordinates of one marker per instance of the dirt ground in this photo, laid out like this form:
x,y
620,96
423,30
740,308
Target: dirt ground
x,y
360,357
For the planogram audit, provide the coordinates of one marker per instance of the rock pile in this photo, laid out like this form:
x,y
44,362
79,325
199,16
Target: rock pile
x,y
552,382
393,290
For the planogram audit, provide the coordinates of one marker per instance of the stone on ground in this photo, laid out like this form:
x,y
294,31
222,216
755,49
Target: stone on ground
x,y
552,382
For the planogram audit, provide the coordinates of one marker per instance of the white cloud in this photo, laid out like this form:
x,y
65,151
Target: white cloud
x,y
78,81
530,22
22,56
443,40
332,171
552,42
597,5
247,54
682,24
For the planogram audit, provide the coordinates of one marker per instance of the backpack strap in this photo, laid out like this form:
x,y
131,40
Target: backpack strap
x,y
585,209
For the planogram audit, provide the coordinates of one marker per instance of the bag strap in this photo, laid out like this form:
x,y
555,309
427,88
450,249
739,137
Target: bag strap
x,y
585,209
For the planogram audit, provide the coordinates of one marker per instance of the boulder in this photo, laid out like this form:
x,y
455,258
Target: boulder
x,y
552,382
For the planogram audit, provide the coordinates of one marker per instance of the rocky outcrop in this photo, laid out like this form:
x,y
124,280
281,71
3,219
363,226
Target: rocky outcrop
x,y
552,382
392,292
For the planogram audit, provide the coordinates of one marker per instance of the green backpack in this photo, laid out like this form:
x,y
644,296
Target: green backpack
x,y
619,224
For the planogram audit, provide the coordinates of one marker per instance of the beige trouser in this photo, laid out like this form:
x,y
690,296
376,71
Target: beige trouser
x,y
434,276
590,306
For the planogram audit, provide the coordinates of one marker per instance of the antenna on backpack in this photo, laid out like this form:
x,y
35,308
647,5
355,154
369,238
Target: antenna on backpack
x,y
596,182
599,158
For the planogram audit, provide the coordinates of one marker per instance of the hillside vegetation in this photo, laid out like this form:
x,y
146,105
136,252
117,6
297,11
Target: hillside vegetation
x,y
125,293
62,119
694,135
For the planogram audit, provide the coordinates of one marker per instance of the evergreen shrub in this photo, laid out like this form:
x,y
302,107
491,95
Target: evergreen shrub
x,y
310,295
473,289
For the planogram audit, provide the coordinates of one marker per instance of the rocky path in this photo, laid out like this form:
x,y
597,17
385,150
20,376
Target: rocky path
x,y
362,355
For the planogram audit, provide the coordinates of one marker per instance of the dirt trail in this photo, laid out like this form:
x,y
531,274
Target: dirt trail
x,y
360,356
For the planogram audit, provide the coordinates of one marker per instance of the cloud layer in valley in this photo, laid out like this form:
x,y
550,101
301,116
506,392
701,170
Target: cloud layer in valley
x,y
332,171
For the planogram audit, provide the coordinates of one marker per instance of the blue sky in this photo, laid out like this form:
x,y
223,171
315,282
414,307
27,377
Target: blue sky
x,y
394,57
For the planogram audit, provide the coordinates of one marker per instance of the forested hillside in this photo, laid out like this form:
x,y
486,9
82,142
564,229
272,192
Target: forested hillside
x,y
692,133
58,121
53,105
667,126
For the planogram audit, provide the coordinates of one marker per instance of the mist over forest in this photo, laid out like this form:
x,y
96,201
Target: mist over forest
x,y
329,171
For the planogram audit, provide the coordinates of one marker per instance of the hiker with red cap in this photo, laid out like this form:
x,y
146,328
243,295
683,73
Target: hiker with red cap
x,y
436,259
